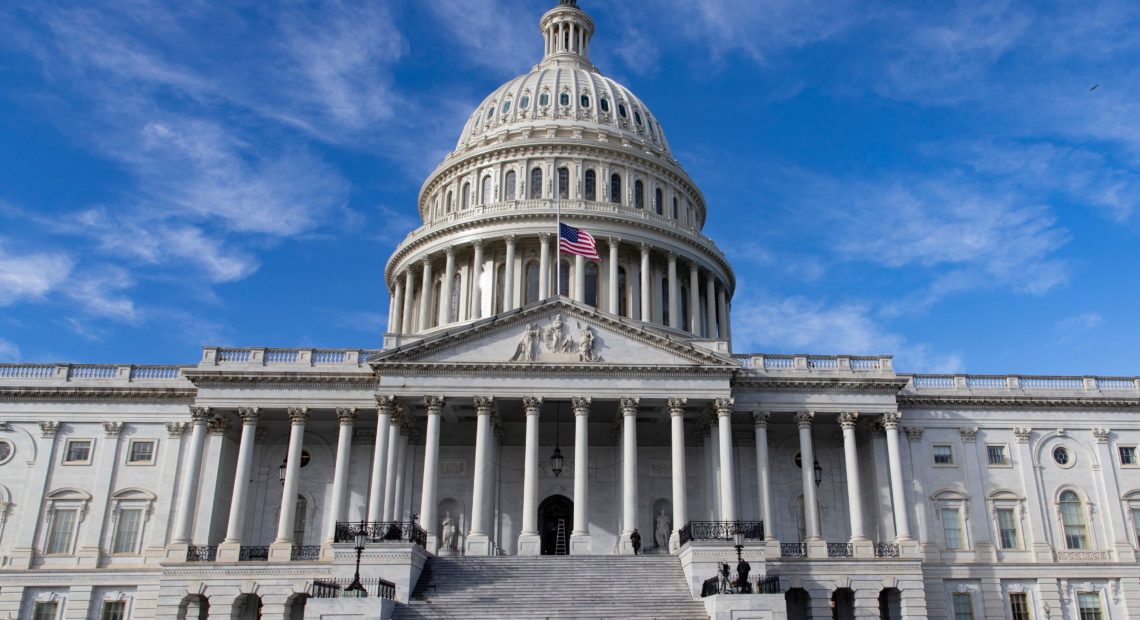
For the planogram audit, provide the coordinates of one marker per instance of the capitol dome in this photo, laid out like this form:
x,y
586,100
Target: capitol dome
x,y
562,143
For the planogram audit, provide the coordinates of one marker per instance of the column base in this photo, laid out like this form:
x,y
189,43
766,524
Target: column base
x,y
862,548
176,552
580,544
816,548
530,544
477,544
771,547
281,551
908,548
229,551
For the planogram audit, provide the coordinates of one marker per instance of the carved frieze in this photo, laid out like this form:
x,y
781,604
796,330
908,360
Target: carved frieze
x,y
554,344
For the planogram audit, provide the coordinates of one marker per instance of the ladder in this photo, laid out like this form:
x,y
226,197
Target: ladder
x,y
560,539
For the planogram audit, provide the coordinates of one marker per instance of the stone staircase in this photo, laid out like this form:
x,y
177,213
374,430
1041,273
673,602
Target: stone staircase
x,y
553,587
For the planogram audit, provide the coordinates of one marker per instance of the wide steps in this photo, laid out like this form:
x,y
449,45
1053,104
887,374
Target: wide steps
x,y
553,588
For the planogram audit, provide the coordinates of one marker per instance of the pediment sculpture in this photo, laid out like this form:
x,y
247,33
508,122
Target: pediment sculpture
x,y
554,344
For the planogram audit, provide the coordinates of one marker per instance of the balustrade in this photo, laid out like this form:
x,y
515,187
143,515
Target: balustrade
x,y
202,553
305,553
721,530
253,554
334,588
886,550
381,532
793,550
840,550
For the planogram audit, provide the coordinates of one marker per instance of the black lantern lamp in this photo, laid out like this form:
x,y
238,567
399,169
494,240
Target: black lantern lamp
x,y
738,538
818,471
356,589
556,458
281,470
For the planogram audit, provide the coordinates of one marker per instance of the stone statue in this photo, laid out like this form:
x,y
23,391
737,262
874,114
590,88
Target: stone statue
x,y
555,341
663,529
586,345
526,349
449,531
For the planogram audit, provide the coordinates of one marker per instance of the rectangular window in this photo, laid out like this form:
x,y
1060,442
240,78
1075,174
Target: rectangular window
x,y
113,610
997,455
1019,606
59,536
46,611
963,606
952,528
1128,456
141,452
126,531
943,455
1089,605
1007,528
77,452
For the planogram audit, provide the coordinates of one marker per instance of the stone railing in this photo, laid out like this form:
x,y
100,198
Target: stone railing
x,y
305,358
381,532
815,363
1018,382
334,588
91,372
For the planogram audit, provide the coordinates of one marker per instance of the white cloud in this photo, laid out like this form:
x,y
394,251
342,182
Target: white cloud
x,y
9,352
1073,328
492,33
32,276
100,293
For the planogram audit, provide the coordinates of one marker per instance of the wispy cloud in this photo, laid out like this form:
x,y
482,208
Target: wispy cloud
x,y
1070,329
31,276
9,352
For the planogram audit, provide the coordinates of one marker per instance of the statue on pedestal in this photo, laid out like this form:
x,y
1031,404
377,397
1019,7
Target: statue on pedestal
x,y
449,532
663,529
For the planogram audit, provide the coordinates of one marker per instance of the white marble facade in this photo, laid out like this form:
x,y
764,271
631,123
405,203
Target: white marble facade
x,y
213,489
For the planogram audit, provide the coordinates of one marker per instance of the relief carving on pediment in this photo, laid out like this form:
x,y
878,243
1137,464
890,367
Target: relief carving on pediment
x,y
554,344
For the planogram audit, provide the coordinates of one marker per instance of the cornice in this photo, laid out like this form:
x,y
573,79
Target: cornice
x,y
564,370
104,394
881,385
296,380
1016,402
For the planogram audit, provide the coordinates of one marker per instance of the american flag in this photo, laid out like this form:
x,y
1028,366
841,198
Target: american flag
x,y
577,241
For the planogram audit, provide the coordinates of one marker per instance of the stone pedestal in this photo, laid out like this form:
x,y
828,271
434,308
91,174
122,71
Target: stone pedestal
x,y
229,552
816,548
176,552
281,551
863,548
478,544
530,544
580,544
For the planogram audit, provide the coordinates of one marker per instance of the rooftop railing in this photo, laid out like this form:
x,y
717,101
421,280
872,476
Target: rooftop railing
x,y
312,358
91,372
814,363
1020,382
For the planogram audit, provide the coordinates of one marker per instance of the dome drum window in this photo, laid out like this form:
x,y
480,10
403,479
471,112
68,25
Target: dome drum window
x,y
564,99
637,117
506,106
604,104
524,102
622,112
544,100
585,100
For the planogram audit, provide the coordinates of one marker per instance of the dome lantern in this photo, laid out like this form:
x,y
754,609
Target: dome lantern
x,y
566,31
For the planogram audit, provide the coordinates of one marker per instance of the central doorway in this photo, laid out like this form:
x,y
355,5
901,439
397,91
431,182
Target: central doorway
x,y
555,522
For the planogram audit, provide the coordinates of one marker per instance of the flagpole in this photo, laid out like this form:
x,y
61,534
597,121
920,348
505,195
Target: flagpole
x,y
558,247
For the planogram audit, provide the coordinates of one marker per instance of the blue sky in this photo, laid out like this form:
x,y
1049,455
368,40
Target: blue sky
x,y
935,181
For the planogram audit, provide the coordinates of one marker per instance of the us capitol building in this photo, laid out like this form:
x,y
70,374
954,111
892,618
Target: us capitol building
x,y
529,403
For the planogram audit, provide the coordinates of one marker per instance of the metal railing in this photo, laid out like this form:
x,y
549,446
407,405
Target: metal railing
x,y
887,550
202,553
793,550
253,554
305,553
334,588
840,550
381,532
721,530
769,584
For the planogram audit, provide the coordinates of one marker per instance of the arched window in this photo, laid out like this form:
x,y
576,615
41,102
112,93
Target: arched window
x,y
639,194
1073,520
615,188
564,99
453,306
510,183
590,295
536,183
658,202
466,196
664,301
450,201
563,183
585,100
605,104
623,304
299,521
531,282
674,207
487,197
564,274
591,185
500,284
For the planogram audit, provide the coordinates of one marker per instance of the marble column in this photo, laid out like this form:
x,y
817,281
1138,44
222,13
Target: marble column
x,y
721,312
396,314
425,295
401,482
613,277
385,405
847,422
238,512
409,302
388,513
544,266
283,546
627,407
477,279
764,490
676,408
530,542
347,417
578,291
509,275
710,306
674,294
694,325
445,317
646,307
478,542
807,477
723,408
199,416
428,501
898,491
580,537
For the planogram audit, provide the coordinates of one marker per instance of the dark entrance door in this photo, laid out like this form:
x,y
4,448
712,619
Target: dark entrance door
x,y
555,522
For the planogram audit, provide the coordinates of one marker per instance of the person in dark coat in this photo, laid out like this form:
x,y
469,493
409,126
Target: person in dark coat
x,y
635,541
742,570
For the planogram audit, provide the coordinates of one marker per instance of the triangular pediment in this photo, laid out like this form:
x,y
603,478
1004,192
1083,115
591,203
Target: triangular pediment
x,y
558,333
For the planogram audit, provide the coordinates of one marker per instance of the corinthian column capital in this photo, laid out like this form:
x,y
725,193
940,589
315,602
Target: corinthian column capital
x,y
723,406
804,419
483,405
346,415
628,406
760,418
580,405
847,419
199,414
891,420
676,406
385,404
298,415
532,405
434,404
249,415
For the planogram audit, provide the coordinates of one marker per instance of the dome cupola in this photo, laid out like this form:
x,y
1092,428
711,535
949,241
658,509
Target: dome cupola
x,y
566,30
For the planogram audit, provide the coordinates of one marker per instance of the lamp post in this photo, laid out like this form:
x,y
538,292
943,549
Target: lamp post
x,y
738,538
356,588
556,458
818,471
281,470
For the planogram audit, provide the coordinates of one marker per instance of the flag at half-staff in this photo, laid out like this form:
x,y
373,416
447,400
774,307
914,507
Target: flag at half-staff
x,y
577,241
